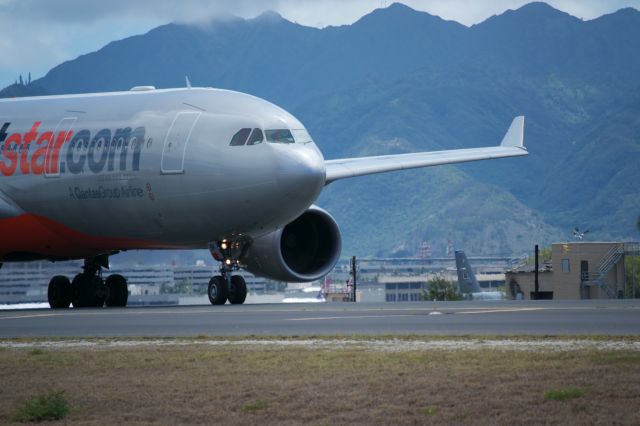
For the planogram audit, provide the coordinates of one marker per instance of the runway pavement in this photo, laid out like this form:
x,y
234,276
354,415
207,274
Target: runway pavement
x,y
615,317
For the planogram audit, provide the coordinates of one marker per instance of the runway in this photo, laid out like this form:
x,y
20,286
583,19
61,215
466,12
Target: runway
x,y
615,317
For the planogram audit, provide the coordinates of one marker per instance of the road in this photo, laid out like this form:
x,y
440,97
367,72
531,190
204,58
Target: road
x,y
453,318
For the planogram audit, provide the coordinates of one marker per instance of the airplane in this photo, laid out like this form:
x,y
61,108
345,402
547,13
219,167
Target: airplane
x,y
579,234
87,176
468,283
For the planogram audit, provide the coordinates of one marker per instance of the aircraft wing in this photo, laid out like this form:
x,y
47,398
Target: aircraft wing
x,y
512,145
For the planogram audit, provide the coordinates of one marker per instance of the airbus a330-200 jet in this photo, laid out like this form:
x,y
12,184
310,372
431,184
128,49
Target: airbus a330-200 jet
x,y
87,176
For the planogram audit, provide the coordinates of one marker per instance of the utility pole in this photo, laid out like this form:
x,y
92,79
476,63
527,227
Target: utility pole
x,y
537,284
353,275
633,274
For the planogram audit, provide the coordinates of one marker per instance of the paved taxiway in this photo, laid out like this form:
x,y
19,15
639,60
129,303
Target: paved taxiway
x,y
454,318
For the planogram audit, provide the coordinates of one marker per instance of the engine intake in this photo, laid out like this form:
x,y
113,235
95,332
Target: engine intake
x,y
304,250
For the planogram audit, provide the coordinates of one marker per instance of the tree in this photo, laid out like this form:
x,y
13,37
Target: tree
x,y
544,256
441,290
632,275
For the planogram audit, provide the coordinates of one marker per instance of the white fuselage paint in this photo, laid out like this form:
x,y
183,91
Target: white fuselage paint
x,y
178,183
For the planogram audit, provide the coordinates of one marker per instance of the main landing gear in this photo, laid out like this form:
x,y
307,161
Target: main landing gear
x,y
227,286
88,289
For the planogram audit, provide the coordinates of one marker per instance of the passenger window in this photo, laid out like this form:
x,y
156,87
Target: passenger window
x,y
256,137
279,136
240,137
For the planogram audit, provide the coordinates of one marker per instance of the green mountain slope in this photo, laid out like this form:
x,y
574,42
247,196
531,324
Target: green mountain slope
x,y
596,185
399,80
392,214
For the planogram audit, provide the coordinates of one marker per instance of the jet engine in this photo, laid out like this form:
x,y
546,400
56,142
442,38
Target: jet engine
x,y
304,250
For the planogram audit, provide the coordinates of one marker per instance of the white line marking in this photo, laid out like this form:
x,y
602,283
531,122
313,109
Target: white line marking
x,y
71,313
487,311
346,317
30,316
212,311
490,311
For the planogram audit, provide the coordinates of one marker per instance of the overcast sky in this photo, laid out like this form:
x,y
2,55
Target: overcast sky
x,y
36,35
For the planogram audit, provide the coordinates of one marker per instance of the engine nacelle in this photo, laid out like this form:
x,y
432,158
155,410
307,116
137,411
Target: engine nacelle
x,y
304,250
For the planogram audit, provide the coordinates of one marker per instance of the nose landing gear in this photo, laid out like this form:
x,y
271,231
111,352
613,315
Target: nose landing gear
x,y
227,286
237,290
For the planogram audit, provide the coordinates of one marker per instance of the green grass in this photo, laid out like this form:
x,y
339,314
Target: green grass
x,y
47,406
564,394
431,410
257,405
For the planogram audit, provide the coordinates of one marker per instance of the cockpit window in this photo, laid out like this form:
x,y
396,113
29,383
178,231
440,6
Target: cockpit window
x,y
240,137
279,136
301,136
256,137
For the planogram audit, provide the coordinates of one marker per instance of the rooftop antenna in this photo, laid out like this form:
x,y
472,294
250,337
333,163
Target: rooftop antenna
x,y
186,79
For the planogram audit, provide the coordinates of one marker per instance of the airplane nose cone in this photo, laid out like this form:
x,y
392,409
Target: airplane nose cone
x,y
300,174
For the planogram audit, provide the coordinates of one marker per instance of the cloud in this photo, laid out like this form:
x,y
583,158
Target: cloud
x,y
39,34
91,11
471,12
304,11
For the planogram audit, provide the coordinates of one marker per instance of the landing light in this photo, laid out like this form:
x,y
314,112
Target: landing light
x,y
223,245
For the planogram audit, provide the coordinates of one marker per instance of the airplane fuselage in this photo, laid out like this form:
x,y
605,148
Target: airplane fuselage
x,y
82,175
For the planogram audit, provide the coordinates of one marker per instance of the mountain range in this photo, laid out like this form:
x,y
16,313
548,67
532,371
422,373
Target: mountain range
x,y
399,80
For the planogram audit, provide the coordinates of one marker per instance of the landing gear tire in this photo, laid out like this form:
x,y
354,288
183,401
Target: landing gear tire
x,y
88,291
118,293
238,290
218,290
59,292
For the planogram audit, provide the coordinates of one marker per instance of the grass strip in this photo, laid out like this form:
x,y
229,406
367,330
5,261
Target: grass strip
x,y
250,384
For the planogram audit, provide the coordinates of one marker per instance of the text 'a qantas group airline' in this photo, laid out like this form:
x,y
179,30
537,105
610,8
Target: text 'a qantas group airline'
x,y
87,176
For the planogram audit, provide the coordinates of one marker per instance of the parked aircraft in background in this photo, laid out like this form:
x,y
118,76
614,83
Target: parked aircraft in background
x,y
467,282
87,176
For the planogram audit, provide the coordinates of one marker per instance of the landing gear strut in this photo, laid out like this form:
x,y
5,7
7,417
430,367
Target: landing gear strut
x,y
227,286
88,288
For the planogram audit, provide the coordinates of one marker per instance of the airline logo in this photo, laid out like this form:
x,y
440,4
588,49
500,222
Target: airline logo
x,y
39,152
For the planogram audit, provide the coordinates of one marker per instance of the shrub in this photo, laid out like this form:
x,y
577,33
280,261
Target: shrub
x,y
255,406
563,394
430,410
47,406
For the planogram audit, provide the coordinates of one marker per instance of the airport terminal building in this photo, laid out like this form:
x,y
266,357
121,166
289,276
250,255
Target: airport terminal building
x,y
581,270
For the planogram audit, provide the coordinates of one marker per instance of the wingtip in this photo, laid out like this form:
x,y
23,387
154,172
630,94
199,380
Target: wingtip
x,y
515,134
